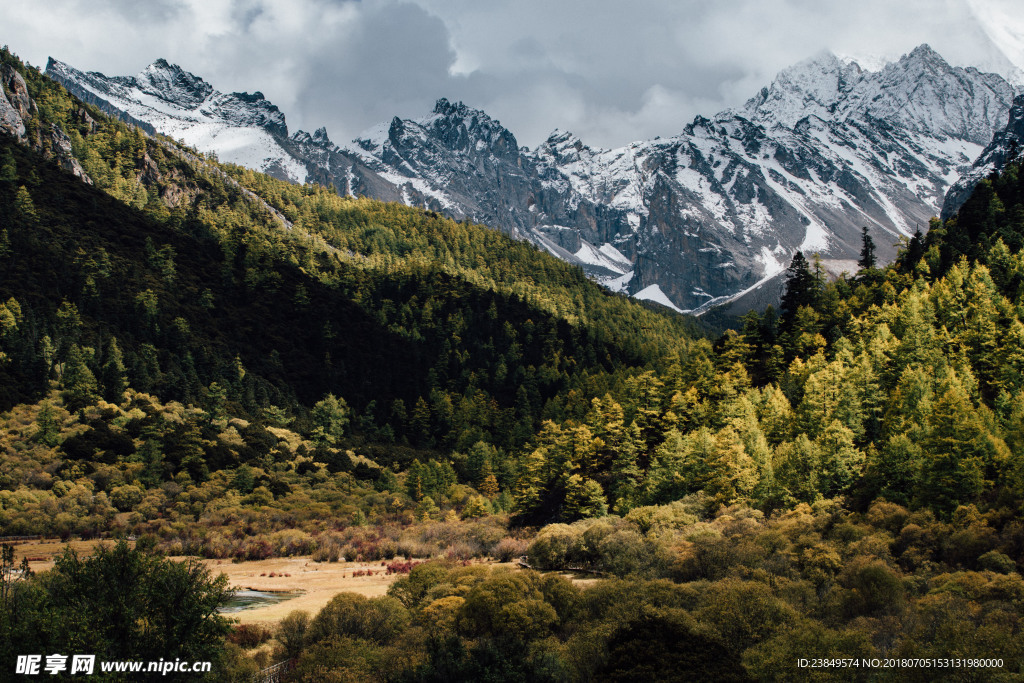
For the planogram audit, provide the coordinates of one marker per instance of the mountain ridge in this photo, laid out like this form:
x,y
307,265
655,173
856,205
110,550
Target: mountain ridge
x,y
694,220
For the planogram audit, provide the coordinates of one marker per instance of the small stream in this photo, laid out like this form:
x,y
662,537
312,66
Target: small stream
x,y
245,598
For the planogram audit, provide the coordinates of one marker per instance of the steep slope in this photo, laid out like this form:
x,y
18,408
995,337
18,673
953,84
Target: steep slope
x,y
203,283
826,149
1004,147
461,161
690,221
240,128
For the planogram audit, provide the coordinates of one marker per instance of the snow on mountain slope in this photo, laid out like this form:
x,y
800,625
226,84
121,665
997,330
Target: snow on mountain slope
x,y
827,148
241,128
1006,146
700,218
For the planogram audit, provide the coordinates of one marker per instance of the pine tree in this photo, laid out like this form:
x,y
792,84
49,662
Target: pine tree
x,y
330,417
114,373
867,251
47,426
801,288
584,498
841,462
79,383
8,168
25,214
414,481
914,251
489,484
797,468
954,451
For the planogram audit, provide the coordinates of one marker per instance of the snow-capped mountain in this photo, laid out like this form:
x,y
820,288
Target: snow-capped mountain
x,y
1007,145
242,128
461,161
827,148
689,221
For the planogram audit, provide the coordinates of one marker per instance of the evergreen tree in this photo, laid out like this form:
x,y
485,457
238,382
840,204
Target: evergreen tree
x,y
867,251
801,288
114,373
8,168
914,251
330,417
25,214
47,426
78,381
584,498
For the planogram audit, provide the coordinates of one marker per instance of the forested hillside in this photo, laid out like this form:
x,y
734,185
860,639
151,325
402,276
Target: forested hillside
x,y
436,332
222,364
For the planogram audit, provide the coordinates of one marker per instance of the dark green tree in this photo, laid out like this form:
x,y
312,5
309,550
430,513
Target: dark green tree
x,y
801,288
79,383
114,373
867,250
122,603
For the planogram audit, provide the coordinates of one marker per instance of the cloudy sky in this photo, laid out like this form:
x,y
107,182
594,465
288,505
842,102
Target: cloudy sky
x,y
607,70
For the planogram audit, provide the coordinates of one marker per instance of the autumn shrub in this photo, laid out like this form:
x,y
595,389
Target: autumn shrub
x,y
509,549
348,614
995,561
291,633
290,542
625,552
325,554
555,546
328,547
400,567
387,549
215,545
257,548
410,547
462,550
248,636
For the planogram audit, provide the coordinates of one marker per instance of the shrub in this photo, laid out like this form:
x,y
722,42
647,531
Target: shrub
x,y
348,614
291,633
325,554
555,546
249,636
996,561
508,549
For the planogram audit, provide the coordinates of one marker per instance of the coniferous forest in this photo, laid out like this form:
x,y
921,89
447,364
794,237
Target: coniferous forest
x,y
218,364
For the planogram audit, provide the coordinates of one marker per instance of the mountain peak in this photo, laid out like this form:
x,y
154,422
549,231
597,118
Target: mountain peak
x,y
446,108
561,137
460,111
173,84
923,93
925,51
813,86
320,136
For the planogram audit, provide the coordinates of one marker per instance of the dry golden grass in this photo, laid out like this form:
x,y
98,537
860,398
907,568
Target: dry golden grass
x,y
47,549
319,581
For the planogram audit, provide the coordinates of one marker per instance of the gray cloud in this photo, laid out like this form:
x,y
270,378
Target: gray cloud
x,y
610,71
